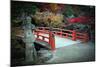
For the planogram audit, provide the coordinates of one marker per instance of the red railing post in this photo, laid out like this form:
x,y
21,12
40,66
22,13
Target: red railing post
x,y
51,40
74,35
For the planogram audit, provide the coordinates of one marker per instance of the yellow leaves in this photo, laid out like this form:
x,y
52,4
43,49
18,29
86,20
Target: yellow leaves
x,y
56,19
54,7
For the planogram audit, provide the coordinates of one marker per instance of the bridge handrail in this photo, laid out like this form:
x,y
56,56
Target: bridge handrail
x,y
75,35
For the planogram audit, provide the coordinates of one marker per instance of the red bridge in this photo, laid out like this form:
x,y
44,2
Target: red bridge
x,y
63,33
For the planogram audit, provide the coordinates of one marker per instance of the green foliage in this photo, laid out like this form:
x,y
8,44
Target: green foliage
x,y
68,11
18,8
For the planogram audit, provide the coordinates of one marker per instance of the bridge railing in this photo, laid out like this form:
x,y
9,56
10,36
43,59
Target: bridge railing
x,y
65,33
82,36
41,37
49,39
72,34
